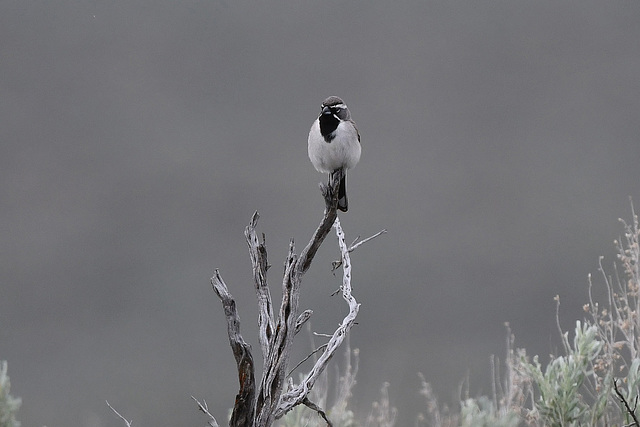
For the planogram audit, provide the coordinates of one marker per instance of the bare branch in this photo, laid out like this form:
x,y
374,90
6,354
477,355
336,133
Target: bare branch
x,y
626,404
296,395
330,193
355,245
320,334
128,423
243,409
205,409
277,360
258,254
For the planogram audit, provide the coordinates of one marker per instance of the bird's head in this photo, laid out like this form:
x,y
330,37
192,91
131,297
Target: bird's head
x,y
336,107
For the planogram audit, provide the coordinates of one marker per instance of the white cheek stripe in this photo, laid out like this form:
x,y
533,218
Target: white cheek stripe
x,y
334,106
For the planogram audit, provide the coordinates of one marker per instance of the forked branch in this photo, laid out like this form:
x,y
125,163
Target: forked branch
x,y
297,394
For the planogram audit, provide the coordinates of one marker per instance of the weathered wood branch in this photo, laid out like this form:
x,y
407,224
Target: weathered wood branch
x,y
330,193
258,254
243,408
260,406
279,351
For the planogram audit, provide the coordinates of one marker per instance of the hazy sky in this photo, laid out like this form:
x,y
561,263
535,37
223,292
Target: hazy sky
x,y
500,146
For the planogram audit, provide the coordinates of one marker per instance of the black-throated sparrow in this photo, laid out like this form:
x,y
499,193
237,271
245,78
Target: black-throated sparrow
x,y
334,143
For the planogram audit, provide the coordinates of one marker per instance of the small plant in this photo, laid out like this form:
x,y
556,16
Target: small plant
x,y
382,413
482,412
618,327
9,405
596,382
561,397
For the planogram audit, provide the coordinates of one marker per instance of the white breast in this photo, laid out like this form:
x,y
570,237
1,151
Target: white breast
x,y
342,152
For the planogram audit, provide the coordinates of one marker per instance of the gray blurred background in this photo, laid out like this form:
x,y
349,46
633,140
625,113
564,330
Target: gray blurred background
x,y
500,146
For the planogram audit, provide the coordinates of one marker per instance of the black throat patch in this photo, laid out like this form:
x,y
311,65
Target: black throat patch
x,y
328,125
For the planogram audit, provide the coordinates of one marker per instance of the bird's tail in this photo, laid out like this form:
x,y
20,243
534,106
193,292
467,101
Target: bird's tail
x,y
343,202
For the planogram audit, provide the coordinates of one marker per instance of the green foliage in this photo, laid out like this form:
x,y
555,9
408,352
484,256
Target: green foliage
x,y
560,402
482,412
9,405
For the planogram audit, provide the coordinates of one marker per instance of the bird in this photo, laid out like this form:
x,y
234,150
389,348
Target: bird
x,y
334,143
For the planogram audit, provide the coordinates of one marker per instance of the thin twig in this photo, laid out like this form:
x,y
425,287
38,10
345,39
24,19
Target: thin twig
x,y
355,245
626,404
320,334
322,347
338,263
309,404
128,423
205,409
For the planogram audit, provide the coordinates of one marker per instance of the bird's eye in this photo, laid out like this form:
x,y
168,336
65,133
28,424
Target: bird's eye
x,y
338,109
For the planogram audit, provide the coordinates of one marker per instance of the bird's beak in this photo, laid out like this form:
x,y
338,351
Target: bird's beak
x,y
326,110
